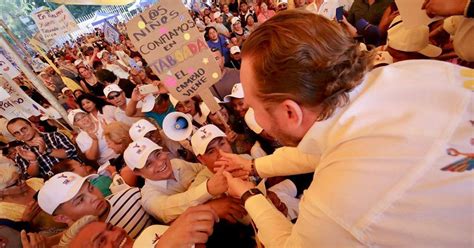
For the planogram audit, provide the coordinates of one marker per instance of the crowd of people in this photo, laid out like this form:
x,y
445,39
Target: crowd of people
x,y
319,140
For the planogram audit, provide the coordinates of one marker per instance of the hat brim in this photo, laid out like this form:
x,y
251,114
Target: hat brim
x,y
431,51
148,103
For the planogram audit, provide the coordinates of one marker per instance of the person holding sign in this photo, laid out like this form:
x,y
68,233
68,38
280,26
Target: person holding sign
x,y
379,178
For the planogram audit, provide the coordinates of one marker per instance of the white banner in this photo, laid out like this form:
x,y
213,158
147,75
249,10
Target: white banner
x,y
7,68
53,24
111,35
19,104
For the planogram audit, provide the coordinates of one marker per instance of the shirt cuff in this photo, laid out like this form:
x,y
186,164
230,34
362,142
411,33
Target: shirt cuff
x,y
257,205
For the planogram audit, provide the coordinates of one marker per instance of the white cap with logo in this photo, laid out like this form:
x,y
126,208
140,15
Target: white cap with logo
x,y
203,136
237,92
73,113
148,103
137,153
59,189
111,88
140,128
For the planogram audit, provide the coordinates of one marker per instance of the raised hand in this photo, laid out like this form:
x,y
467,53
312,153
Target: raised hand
x,y
194,226
217,184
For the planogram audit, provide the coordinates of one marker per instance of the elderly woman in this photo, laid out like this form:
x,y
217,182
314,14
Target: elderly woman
x,y
17,202
117,137
91,140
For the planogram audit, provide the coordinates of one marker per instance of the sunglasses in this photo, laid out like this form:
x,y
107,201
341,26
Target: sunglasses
x,y
113,96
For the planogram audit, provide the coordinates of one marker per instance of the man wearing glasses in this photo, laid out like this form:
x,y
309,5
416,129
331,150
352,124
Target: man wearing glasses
x,y
41,151
116,97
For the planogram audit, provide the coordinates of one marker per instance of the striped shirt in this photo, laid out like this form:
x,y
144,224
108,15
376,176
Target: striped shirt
x,y
52,140
127,212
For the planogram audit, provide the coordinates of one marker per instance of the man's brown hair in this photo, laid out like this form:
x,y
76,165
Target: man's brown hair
x,y
307,58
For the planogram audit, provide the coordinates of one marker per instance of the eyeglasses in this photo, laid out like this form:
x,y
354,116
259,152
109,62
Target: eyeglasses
x,y
112,97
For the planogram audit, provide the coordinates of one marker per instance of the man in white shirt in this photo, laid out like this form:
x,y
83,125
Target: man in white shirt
x,y
326,8
390,146
166,194
116,97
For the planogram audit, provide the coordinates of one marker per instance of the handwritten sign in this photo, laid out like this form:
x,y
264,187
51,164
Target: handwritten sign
x,y
176,51
18,103
53,24
111,34
7,68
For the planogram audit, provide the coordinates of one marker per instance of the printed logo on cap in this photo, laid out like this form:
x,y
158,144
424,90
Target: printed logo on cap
x,y
67,179
140,148
205,133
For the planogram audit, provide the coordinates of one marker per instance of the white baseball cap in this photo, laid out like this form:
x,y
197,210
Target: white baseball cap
x,y
101,54
150,236
412,39
234,50
217,14
203,136
234,20
111,88
251,122
148,103
78,62
140,128
63,90
173,101
383,58
73,113
201,119
137,152
59,189
237,92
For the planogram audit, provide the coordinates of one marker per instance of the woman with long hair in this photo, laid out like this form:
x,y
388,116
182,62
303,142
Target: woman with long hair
x,y
97,107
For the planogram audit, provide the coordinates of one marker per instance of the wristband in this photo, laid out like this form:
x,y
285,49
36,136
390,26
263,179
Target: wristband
x,y
249,193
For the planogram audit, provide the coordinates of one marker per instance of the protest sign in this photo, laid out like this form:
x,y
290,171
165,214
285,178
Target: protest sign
x,y
19,104
53,24
7,68
111,34
167,37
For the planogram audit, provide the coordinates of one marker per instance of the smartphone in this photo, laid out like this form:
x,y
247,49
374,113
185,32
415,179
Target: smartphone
x,y
148,89
339,13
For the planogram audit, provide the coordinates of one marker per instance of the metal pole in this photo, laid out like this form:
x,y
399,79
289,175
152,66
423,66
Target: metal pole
x,y
42,89
17,42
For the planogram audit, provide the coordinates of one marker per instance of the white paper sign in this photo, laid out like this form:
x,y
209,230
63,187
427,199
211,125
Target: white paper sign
x,y
412,14
19,104
53,24
7,68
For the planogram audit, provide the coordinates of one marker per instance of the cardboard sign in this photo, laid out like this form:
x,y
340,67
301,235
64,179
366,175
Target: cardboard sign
x,y
111,35
167,37
53,24
18,103
412,14
7,68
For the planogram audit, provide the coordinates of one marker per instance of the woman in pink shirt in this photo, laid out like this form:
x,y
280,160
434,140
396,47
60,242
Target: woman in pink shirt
x,y
265,13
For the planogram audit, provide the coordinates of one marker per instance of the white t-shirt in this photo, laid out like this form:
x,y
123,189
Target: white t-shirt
x,y
121,116
84,142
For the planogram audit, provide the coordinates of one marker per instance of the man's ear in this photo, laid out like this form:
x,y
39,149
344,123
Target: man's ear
x,y
292,112
63,219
